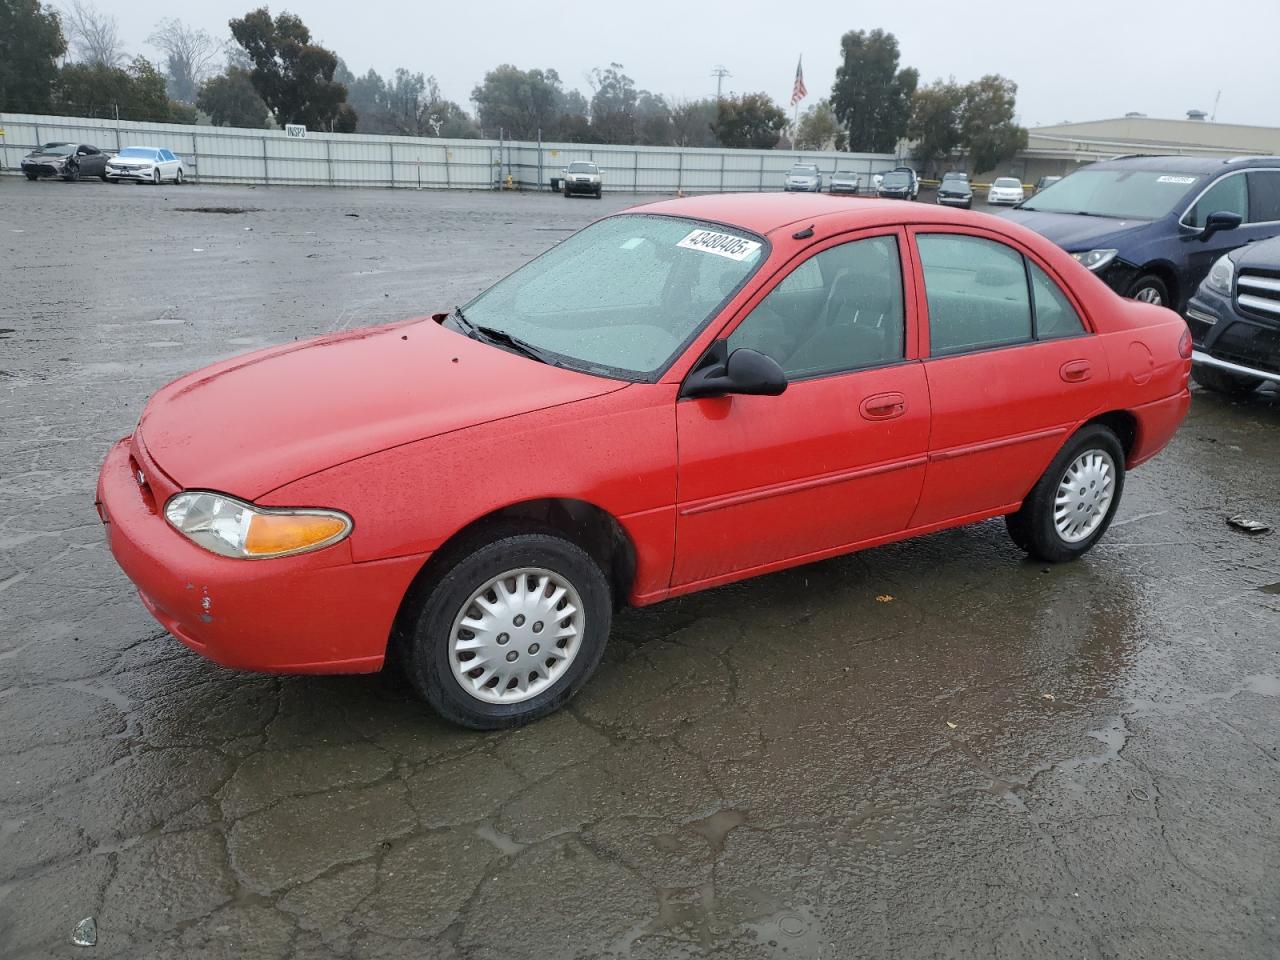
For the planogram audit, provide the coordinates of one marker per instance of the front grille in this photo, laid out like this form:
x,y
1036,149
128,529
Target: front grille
x,y
1258,294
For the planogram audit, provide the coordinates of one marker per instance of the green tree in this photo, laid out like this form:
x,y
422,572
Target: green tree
x,y
293,76
989,132
871,96
691,122
230,100
519,102
135,92
30,43
653,120
819,128
613,105
752,121
937,112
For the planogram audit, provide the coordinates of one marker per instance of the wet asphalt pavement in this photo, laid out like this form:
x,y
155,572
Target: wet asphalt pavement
x,y
933,749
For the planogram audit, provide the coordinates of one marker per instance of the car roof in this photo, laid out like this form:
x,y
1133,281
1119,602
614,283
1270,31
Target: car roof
x,y
1171,163
764,213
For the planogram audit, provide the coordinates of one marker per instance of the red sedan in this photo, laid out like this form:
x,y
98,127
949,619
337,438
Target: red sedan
x,y
679,396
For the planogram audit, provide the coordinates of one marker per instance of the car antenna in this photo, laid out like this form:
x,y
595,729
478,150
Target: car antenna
x,y
804,234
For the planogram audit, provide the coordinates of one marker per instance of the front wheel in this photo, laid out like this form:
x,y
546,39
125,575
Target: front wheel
x,y
32,177
1150,289
1225,382
155,178
1071,506
509,632
177,177
73,173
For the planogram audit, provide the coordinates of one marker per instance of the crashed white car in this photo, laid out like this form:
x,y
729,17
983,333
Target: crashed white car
x,y
1006,190
145,164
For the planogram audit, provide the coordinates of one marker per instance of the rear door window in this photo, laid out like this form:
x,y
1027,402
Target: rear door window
x,y
1055,317
1264,196
977,293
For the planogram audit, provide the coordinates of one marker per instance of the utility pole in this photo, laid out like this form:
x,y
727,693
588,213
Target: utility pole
x,y
720,71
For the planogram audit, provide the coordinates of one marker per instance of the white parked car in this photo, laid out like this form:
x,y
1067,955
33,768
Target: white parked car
x,y
1006,190
147,164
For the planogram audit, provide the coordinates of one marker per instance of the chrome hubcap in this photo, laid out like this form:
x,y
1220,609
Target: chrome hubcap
x,y
1084,495
516,635
1149,295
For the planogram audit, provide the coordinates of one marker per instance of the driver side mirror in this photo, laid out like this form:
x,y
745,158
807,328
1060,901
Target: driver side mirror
x,y
1219,220
745,371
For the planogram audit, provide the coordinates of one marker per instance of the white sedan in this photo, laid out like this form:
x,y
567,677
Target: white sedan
x,y
147,164
1006,190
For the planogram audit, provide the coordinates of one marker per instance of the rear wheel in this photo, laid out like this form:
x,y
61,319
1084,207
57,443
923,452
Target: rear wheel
x,y
1071,506
1150,289
1225,382
32,176
509,632
177,177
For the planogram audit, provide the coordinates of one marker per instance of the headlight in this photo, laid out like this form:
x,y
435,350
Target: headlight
x,y
1221,275
1095,260
233,528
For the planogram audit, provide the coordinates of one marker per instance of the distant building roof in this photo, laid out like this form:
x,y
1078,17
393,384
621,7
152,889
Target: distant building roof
x,y
1134,134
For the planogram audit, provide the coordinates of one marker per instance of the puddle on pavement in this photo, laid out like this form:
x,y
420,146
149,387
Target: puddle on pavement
x,y
1272,588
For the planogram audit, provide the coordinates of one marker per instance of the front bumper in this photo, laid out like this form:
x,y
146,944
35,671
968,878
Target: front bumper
x,y
129,173
41,169
894,194
1228,340
844,188
581,186
965,202
1004,201
310,613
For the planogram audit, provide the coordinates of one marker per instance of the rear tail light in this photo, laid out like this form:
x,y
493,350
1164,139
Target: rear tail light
x,y
1184,345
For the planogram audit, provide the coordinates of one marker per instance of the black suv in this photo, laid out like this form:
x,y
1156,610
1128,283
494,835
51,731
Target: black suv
x,y
1235,320
1152,226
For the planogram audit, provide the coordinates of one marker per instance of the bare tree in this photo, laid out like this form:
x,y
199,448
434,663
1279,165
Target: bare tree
x,y
93,37
189,55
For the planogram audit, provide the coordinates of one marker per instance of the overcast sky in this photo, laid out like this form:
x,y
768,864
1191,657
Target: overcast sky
x,y
1071,61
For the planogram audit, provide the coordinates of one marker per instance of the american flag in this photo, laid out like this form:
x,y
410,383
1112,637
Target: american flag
x,y
798,92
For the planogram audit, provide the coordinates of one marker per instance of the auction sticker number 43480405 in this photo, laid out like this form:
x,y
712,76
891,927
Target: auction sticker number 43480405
x,y
721,244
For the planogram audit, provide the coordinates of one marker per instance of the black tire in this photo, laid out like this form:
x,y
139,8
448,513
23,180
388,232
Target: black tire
x,y
177,177
111,179
1150,289
1033,529
429,617
73,173
32,177
155,177
566,193
1225,382
599,194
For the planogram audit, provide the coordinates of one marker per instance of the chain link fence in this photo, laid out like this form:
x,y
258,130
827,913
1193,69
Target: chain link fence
x,y
235,155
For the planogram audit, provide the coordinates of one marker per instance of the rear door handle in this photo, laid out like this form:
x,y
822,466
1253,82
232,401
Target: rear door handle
x,y
883,406
1076,371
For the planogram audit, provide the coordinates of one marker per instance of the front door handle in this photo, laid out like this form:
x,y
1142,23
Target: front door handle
x,y
883,406
1076,371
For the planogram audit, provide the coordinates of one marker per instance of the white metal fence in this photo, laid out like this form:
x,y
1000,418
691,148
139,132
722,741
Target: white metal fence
x,y
235,155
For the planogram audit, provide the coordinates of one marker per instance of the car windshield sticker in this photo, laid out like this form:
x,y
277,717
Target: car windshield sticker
x,y
1175,179
721,244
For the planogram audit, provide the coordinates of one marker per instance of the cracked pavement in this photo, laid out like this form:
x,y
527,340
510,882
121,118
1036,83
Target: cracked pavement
x,y
1004,760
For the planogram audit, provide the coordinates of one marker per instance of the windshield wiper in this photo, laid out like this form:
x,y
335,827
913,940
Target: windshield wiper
x,y
503,339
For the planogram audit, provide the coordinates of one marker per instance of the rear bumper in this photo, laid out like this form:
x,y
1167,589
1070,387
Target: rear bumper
x,y
312,613
1157,423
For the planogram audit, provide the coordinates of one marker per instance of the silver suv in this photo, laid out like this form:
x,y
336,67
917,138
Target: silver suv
x,y
582,176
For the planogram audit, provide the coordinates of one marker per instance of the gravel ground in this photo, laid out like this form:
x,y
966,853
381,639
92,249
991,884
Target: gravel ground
x,y
1005,760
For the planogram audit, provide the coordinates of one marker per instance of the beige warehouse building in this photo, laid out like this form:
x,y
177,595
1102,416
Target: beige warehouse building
x,y
1061,148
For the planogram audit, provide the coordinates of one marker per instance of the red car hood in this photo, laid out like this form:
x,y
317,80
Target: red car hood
x,y
253,423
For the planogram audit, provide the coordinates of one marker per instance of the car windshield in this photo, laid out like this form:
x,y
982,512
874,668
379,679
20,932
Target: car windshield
x,y
581,166
801,170
897,179
145,153
622,297
1117,192
58,149
846,175
1009,182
